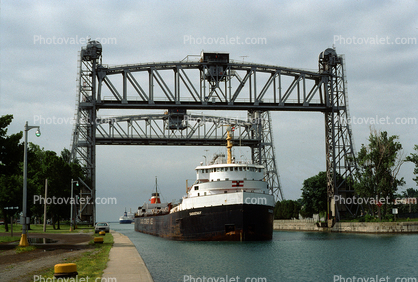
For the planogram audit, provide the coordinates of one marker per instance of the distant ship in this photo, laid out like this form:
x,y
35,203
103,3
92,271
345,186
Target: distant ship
x,y
126,218
228,202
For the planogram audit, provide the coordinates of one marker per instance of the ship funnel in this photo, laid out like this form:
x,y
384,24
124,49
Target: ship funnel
x,y
155,198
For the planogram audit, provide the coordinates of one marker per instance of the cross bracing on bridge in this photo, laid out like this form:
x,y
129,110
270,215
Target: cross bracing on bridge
x,y
212,83
192,85
154,129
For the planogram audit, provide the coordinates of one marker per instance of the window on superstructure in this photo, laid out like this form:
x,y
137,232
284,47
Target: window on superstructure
x,y
207,170
226,178
240,168
236,169
231,169
196,187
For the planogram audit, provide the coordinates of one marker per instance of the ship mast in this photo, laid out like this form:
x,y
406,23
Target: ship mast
x,y
229,145
156,187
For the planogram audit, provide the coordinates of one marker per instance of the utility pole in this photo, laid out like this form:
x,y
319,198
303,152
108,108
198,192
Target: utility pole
x,y
72,200
46,193
24,239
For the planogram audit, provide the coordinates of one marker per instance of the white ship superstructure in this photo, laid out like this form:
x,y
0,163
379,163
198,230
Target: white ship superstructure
x,y
227,184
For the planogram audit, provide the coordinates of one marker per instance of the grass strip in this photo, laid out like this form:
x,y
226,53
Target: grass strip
x,y
91,264
7,239
20,250
38,228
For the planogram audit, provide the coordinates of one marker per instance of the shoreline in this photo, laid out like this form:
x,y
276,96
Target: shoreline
x,y
348,227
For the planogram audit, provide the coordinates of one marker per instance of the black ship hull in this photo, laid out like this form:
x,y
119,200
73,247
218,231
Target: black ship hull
x,y
241,222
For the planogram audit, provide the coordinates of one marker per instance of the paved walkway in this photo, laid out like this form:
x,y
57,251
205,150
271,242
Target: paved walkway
x,y
125,263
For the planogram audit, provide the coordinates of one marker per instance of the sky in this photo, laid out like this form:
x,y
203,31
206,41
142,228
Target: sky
x,y
40,41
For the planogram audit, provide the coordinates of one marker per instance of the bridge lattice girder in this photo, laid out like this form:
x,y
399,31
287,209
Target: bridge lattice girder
x,y
200,85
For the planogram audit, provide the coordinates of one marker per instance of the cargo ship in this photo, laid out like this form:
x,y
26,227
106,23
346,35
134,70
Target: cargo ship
x,y
229,201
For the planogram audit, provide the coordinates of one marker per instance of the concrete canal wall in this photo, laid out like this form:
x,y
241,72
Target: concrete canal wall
x,y
296,225
357,227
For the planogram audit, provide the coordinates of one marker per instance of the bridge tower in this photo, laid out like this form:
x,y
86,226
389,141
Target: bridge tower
x,y
83,149
340,155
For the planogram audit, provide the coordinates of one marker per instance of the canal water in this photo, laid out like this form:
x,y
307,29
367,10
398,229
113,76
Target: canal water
x,y
290,256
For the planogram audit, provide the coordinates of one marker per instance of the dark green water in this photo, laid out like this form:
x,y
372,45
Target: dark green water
x,y
290,256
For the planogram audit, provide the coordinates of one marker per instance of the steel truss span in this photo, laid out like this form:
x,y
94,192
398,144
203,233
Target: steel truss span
x,y
214,82
201,85
160,129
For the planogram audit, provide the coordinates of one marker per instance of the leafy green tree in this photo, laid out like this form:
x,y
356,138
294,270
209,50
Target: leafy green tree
x,y
314,195
11,156
378,167
48,165
11,151
66,155
287,209
414,158
410,206
10,196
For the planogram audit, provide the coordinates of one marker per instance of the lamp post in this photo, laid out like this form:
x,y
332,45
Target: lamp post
x,y
72,200
24,239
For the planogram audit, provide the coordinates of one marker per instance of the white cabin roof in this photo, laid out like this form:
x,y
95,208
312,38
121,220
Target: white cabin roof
x,y
229,165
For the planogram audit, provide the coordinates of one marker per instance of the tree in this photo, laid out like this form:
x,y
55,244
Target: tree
x,y
414,158
66,155
378,166
11,156
10,196
11,151
409,204
48,165
314,195
287,209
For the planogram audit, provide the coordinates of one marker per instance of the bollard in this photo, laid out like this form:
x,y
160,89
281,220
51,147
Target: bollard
x,y
63,270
